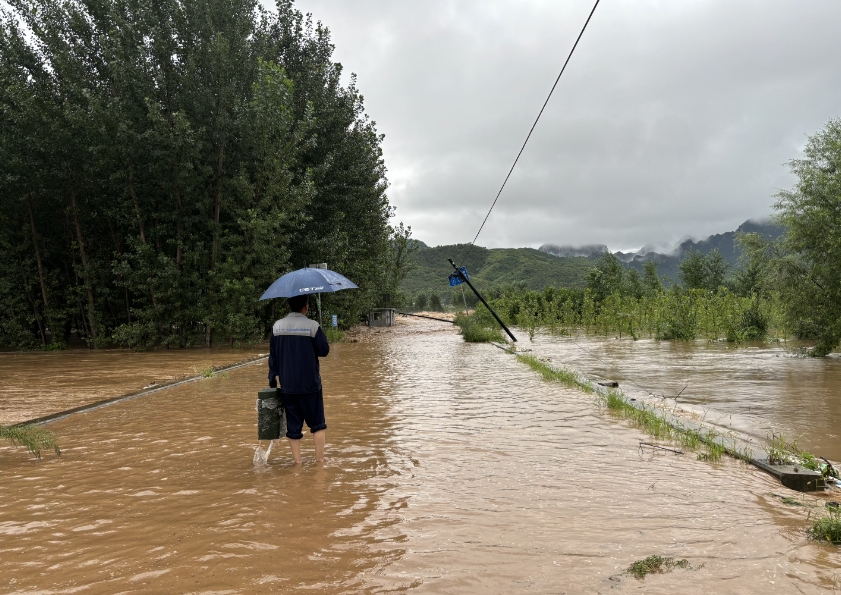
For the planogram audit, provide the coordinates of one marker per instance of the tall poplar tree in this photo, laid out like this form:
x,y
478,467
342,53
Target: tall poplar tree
x,y
161,163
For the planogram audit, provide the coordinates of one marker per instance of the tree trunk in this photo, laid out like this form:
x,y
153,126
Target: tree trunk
x,y
136,206
142,229
91,308
179,228
217,207
32,301
37,252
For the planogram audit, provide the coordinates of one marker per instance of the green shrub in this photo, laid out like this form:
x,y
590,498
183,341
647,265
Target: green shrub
x,y
828,527
474,330
753,324
33,438
334,335
655,565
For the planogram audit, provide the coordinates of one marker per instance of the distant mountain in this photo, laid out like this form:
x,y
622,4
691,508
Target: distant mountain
x,y
667,264
497,267
562,266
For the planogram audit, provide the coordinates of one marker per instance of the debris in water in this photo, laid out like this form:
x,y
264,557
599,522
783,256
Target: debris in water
x,y
677,452
657,565
788,500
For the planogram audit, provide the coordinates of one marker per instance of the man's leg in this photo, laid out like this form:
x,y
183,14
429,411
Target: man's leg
x,y
295,445
318,438
294,425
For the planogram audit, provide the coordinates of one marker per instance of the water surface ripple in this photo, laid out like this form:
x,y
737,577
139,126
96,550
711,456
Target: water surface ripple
x,y
452,469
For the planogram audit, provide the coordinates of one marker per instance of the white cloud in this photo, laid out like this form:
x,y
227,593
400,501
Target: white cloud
x,y
673,118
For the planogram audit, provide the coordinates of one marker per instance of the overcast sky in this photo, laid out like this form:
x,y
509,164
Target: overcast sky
x,y
673,118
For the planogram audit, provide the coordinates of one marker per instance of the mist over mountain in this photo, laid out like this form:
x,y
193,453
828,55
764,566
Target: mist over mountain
x,y
668,261
562,266
568,251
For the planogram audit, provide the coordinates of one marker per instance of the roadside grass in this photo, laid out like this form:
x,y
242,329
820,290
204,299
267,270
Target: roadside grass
x,y
647,418
209,372
334,335
828,526
657,565
782,451
473,330
33,438
563,376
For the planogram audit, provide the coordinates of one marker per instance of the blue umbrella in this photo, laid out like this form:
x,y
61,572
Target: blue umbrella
x,y
307,280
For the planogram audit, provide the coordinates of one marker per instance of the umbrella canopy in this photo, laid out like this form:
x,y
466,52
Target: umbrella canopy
x,y
307,280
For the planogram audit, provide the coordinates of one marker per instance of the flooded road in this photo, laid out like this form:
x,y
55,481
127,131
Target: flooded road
x,y
756,390
36,384
452,468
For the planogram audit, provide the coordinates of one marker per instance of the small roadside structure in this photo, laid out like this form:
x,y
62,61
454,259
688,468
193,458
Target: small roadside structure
x,y
381,317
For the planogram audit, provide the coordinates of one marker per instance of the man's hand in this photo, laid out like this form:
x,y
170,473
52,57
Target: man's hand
x,y
273,382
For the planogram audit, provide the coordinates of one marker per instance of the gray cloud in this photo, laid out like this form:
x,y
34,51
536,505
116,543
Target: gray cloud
x,y
673,118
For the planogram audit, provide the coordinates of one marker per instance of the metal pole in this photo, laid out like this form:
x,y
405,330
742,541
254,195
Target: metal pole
x,y
319,311
464,299
478,295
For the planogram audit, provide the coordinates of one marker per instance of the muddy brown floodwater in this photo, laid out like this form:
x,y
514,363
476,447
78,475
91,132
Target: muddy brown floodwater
x,y
452,469
756,390
36,384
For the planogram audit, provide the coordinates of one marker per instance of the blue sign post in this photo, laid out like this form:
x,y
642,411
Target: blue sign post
x,y
456,279
461,277
335,320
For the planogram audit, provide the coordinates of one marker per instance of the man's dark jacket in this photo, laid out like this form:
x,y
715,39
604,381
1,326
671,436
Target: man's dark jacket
x,y
297,343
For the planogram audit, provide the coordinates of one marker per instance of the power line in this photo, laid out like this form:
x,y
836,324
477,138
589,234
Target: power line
x,y
535,121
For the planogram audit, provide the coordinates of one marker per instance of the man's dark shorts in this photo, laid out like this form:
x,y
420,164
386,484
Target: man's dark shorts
x,y
300,408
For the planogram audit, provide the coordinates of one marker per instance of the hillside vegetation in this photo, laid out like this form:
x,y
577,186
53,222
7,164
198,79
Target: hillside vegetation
x,y
494,268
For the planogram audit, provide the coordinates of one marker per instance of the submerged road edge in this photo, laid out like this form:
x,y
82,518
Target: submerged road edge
x,y
39,421
734,444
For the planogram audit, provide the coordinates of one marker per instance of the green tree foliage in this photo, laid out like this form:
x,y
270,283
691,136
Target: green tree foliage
x,y
807,262
699,271
677,314
161,163
421,302
435,303
606,277
650,279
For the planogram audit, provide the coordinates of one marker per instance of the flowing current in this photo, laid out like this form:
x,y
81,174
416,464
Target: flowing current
x,y
452,468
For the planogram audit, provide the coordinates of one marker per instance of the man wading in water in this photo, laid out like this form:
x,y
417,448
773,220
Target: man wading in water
x,y
297,343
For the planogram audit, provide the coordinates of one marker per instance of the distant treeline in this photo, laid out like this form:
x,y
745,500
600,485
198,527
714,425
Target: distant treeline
x,y
161,163
620,302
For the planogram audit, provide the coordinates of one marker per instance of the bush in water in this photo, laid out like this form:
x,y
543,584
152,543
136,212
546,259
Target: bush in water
x,y
33,438
474,329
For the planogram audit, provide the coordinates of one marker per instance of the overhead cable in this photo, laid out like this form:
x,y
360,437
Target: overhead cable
x,y
535,122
